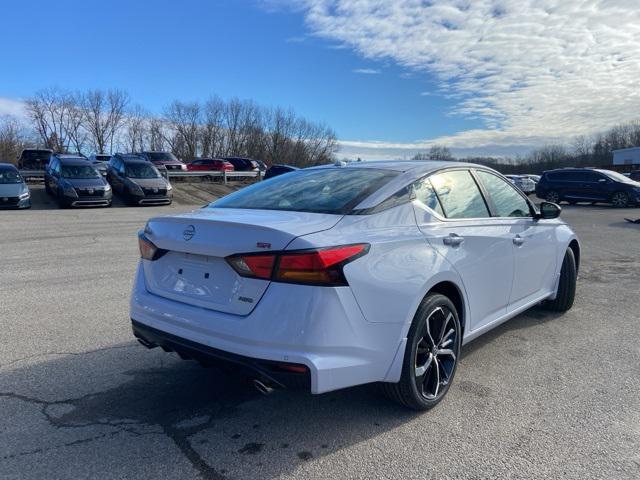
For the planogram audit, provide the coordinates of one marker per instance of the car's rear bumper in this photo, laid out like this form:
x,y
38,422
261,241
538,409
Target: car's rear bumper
x,y
278,374
321,328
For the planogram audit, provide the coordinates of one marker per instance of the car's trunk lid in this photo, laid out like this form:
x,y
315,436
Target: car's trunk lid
x,y
194,270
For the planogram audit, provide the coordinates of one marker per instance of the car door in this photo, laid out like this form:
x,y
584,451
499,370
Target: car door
x,y
477,246
532,240
598,186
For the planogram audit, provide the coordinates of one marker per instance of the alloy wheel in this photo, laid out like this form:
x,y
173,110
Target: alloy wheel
x,y
553,196
620,200
435,358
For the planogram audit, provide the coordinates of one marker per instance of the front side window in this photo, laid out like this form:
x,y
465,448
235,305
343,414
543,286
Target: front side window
x,y
459,195
325,190
506,200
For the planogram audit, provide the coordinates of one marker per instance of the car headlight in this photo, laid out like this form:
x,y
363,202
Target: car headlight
x,y
107,188
169,187
134,188
69,191
24,195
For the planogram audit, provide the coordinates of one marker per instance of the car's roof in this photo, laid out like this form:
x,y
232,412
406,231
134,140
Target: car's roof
x,y
7,166
135,160
408,171
74,161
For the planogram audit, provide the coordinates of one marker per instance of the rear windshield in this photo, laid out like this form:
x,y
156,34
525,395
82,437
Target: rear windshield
x,y
161,157
79,171
36,155
141,170
9,176
327,190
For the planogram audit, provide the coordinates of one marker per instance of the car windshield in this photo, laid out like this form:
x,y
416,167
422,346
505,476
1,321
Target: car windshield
x,y
162,157
618,177
141,170
326,190
79,172
9,176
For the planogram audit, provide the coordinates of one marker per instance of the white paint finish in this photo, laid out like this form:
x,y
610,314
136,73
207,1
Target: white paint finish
x,y
345,335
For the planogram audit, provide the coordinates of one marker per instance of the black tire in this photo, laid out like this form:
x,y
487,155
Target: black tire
x,y
567,286
572,202
47,188
553,196
420,392
620,200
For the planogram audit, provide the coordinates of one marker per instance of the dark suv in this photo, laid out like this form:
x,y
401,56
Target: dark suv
x,y
75,182
588,185
163,159
138,181
241,164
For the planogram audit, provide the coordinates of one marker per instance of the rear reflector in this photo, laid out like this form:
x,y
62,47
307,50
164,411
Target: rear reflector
x,y
322,267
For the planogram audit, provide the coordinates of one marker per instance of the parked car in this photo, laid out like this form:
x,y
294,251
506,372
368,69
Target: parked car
x,y
14,192
635,175
138,181
243,164
100,161
275,170
163,159
261,165
209,165
388,261
523,182
75,182
34,158
588,185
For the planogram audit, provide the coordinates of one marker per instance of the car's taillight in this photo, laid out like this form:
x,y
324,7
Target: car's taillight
x,y
256,266
148,250
312,267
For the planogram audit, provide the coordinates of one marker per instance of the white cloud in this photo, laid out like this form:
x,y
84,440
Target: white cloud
x,y
9,106
534,71
366,71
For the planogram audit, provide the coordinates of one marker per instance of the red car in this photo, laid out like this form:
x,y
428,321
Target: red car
x,y
209,164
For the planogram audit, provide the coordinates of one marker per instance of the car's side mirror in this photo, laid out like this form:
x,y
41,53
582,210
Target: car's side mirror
x,y
549,211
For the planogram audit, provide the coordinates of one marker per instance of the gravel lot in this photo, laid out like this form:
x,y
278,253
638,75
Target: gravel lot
x,y
543,396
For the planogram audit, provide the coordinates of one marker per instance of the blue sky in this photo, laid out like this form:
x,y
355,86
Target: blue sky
x,y
311,55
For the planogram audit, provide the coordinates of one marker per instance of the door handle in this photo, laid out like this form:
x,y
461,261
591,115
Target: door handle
x,y
453,240
518,240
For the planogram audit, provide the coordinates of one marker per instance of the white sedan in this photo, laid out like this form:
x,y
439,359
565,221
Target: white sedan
x,y
350,274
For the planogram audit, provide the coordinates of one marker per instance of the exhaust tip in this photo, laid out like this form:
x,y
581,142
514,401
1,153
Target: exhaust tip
x,y
262,387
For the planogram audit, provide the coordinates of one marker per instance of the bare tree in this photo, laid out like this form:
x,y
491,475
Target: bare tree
x,y
48,110
136,129
104,114
184,120
13,139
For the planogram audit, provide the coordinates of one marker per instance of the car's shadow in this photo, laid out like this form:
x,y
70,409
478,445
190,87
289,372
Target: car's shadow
x,y
217,420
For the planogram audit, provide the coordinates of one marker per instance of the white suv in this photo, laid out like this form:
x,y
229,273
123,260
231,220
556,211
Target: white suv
x,y
349,274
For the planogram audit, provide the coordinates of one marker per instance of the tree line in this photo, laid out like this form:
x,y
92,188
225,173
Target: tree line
x,y
583,151
106,121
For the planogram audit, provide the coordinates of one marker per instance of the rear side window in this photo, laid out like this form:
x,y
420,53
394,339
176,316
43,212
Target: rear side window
x,y
459,195
506,200
424,192
325,190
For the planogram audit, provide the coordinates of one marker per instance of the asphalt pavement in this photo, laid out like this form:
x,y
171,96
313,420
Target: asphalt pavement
x,y
542,396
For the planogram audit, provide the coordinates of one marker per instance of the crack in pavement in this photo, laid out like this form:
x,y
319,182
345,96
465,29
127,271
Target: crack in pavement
x,y
48,354
129,408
